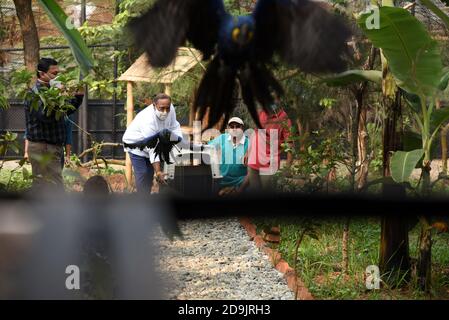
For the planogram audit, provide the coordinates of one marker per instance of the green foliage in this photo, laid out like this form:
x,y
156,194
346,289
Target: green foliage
x,y
20,81
315,161
413,56
56,101
8,141
18,178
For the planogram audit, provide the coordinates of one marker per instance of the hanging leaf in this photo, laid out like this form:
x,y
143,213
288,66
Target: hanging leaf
x,y
413,56
354,76
402,164
79,48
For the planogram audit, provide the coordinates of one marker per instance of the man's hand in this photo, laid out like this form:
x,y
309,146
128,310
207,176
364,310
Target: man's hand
x,y
160,177
227,191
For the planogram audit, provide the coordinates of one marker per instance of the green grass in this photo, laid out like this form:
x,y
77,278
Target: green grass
x,y
320,261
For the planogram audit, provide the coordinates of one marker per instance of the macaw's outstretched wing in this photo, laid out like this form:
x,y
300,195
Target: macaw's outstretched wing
x,y
302,33
169,23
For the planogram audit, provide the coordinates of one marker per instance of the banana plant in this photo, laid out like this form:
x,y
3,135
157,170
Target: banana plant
x,y
415,63
411,61
79,49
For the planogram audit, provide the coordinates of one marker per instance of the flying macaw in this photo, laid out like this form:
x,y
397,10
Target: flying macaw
x,y
301,33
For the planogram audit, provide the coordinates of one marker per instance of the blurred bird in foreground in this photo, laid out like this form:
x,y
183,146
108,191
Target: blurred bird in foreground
x,y
301,33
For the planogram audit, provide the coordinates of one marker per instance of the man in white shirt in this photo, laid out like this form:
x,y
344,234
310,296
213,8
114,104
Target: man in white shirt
x,y
151,121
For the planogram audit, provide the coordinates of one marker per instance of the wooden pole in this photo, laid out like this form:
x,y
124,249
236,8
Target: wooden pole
x,y
167,89
129,119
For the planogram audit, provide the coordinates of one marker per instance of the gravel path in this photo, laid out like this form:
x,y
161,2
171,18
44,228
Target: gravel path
x,y
217,260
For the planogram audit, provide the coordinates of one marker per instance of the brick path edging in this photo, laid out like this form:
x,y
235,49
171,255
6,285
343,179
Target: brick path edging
x,y
293,282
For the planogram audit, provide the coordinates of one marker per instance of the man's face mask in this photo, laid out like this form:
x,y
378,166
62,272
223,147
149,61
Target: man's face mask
x,y
50,77
162,115
55,83
235,131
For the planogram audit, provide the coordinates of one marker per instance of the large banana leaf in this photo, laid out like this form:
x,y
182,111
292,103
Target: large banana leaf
x,y
402,164
79,48
353,76
413,56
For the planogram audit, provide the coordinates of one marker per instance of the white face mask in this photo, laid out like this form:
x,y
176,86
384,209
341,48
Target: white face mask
x,y
55,83
161,115
237,133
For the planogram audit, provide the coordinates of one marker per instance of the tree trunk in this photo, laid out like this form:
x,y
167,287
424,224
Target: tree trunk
x,y
394,244
424,260
443,135
424,266
29,33
362,177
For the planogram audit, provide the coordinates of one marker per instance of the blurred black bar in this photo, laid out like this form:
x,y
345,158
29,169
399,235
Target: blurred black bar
x,y
285,204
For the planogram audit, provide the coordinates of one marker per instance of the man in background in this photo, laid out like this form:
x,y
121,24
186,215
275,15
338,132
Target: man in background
x,y
45,134
266,146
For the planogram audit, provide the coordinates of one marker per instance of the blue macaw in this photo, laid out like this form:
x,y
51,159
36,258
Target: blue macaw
x,y
300,32
162,142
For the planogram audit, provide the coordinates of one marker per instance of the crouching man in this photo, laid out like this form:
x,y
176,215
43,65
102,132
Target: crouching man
x,y
142,139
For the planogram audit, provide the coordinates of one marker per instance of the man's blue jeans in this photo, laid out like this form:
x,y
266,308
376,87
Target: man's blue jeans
x,y
143,173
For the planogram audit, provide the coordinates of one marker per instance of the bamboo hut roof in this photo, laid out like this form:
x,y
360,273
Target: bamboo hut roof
x,y
142,71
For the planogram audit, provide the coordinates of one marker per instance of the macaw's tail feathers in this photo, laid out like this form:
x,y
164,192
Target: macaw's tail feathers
x,y
258,84
216,92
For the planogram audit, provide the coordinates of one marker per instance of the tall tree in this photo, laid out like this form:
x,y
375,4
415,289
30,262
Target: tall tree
x,y
29,33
